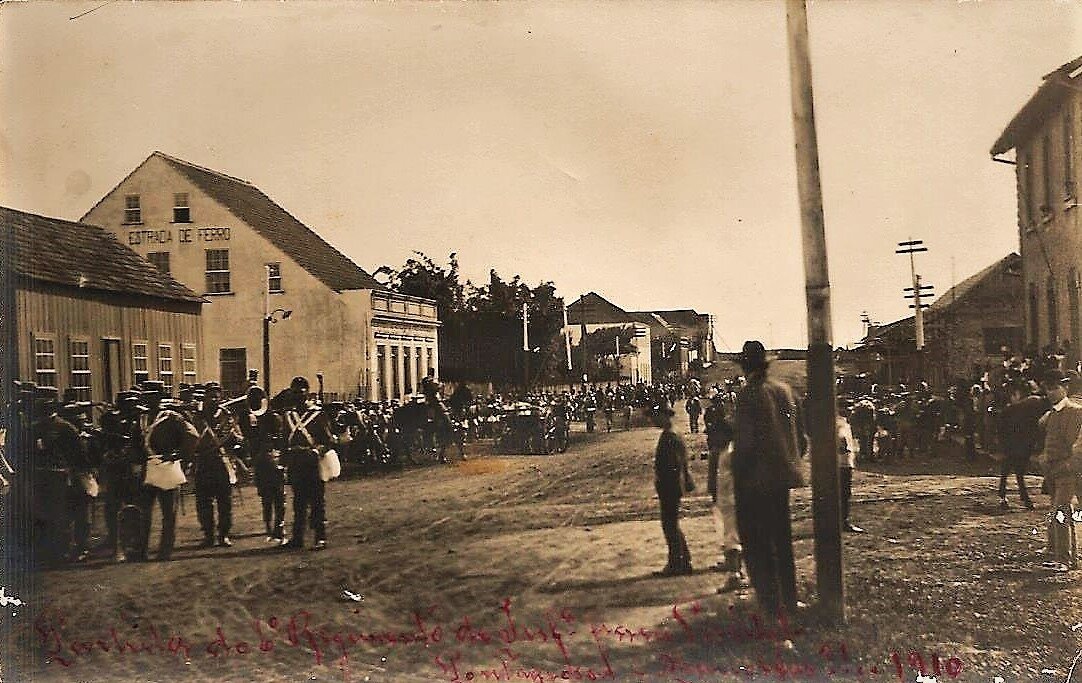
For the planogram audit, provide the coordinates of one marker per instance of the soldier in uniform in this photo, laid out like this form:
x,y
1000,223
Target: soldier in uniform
x,y
214,474
169,437
262,429
306,436
82,485
56,445
121,464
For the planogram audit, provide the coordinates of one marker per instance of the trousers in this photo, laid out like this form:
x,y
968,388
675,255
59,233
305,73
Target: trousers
x,y
168,502
720,485
309,495
845,478
211,494
1062,545
766,534
679,555
1018,468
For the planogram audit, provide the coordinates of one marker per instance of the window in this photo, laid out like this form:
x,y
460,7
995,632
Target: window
x,y
133,213
1068,154
160,259
233,370
1053,336
217,271
431,365
139,359
1025,184
165,366
1034,323
80,369
44,362
181,212
188,359
274,277
996,338
1046,171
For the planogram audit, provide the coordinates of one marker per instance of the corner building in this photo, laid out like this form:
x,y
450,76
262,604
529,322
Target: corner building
x,y
247,256
1043,136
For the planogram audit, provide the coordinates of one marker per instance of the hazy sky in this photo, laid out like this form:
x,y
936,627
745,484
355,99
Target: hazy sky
x,y
640,150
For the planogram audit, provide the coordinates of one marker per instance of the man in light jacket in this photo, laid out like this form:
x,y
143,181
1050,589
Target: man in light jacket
x,y
1062,426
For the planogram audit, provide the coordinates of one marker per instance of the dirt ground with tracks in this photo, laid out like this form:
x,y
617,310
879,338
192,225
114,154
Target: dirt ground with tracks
x,y
539,568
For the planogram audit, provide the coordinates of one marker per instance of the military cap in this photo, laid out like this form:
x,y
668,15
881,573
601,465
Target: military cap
x,y
152,385
129,395
46,394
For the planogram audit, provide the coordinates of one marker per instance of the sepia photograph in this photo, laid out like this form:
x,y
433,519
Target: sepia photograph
x,y
674,341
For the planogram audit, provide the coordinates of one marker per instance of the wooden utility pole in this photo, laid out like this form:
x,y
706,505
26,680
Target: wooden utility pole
x,y
820,412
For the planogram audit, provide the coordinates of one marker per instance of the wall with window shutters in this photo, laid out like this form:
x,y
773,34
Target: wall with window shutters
x,y
64,314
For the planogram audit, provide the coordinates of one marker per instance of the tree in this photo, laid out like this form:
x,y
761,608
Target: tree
x,y
481,334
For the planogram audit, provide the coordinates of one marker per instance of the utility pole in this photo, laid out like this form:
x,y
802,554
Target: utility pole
x,y
917,290
567,339
821,416
526,345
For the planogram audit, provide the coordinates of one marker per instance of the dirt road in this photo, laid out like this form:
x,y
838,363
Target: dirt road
x,y
537,568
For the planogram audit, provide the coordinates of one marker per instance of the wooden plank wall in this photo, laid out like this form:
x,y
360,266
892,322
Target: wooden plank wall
x,y
66,316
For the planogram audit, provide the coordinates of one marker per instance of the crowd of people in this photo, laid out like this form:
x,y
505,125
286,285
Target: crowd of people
x,y
1023,413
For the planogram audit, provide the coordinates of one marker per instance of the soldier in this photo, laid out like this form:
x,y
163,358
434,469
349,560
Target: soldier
x,y
214,473
56,445
121,465
694,408
262,428
169,441
82,484
306,436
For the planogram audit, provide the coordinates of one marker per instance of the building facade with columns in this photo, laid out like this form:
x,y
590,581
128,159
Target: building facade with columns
x,y
251,260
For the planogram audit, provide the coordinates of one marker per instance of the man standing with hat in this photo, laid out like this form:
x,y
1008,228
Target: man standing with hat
x,y
214,476
56,445
1062,429
261,429
169,440
768,444
122,462
670,478
306,435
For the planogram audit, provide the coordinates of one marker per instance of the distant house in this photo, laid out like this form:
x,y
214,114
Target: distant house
x,y
224,238
1043,135
591,313
680,337
969,327
92,317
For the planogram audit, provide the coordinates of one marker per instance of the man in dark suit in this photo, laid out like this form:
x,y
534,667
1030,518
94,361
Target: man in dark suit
x,y
768,444
1019,435
670,466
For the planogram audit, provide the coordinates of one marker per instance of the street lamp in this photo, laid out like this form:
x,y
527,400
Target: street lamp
x,y
269,319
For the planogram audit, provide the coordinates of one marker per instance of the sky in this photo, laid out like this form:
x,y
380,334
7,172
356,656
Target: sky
x,y
642,150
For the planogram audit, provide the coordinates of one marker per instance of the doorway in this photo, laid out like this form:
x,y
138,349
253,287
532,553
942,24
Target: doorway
x,y
110,368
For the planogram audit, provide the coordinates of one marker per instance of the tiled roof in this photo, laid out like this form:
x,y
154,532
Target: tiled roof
x,y
1009,263
278,226
593,308
1048,98
84,256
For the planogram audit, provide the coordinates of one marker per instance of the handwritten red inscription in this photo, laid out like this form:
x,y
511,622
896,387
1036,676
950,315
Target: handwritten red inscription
x,y
464,651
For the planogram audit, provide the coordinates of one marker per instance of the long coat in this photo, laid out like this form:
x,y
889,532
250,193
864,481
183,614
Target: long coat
x,y
769,439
